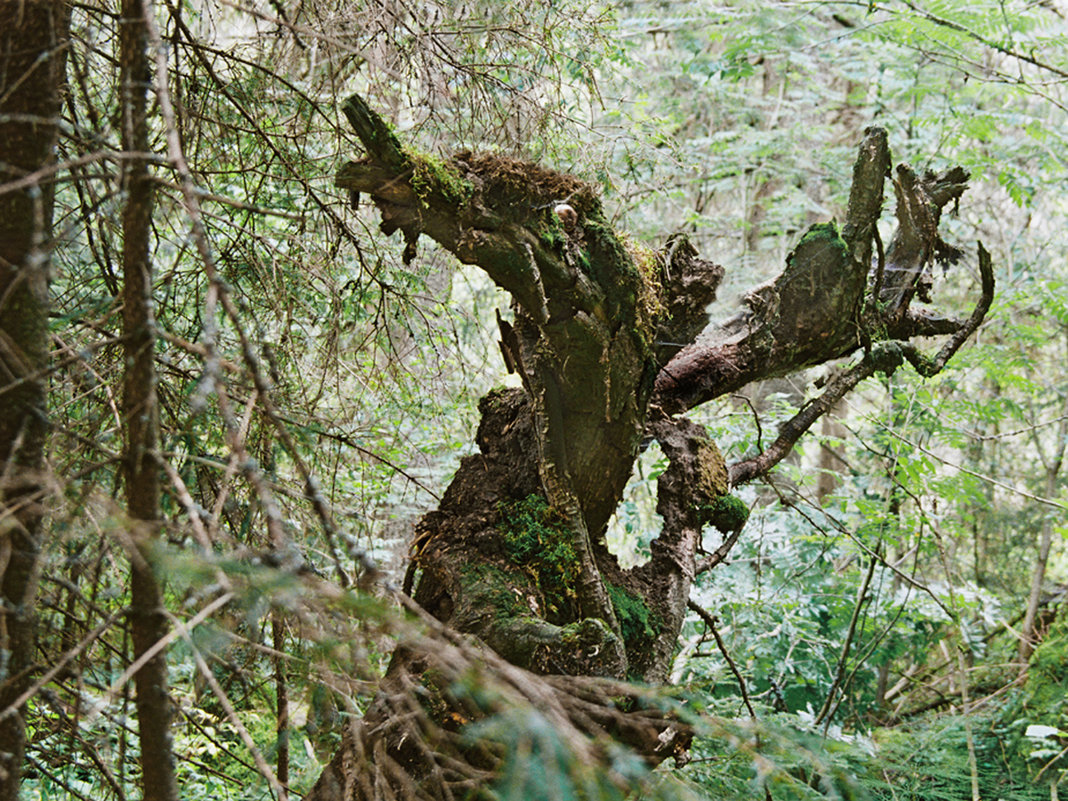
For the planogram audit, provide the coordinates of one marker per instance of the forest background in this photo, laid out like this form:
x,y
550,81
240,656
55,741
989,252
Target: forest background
x,y
873,630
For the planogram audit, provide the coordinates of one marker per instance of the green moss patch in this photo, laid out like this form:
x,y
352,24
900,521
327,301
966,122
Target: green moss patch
x,y
824,234
491,587
537,538
636,622
433,176
510,181
1046,690
727,513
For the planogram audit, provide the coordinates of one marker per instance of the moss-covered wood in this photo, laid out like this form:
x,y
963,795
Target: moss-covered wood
x,y
838,293
582,341
605,341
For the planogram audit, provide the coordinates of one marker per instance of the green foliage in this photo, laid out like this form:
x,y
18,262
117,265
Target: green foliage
x,y
926,760
737,760
1038,726
1046,690
929,760
542,766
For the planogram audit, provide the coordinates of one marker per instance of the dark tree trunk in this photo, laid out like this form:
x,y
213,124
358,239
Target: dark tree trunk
x,y
603,339
33,39
148,624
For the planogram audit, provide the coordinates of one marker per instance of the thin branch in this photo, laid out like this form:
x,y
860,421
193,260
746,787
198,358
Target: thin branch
x,y
163,642
864,547
1006,51
756,419
790,432
62,662
928,367
57,779
983,477
720,553
710,621
824,713
281,792
882,357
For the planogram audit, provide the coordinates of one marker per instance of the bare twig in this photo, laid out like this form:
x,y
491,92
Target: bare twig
x,y
718,555
862,592
710,621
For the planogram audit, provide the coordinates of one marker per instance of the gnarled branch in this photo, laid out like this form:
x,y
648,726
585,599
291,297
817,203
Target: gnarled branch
x,y
883,357
815,310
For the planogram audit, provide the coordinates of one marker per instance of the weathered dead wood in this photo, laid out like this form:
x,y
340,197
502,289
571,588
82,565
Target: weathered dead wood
x,y
831,300
687,493
884,357
595,320
412,742
582,340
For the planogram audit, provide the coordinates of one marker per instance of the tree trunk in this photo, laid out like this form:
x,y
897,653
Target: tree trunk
x,y
603,339
33,39
148,624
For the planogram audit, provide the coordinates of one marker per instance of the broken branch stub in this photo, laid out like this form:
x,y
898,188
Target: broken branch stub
x,y
917,242
866,194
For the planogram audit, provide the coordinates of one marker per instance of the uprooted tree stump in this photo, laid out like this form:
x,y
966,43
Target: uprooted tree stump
x,y
604,340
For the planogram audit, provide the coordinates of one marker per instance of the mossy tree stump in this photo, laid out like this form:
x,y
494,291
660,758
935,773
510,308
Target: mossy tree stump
x,y
604,340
